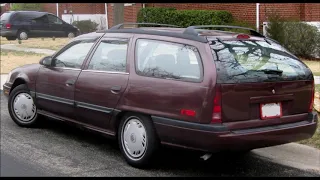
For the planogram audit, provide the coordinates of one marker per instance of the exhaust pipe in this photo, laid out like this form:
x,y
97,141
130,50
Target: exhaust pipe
x,y
206,156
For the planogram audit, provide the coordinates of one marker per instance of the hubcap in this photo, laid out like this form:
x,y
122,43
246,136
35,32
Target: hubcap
x,y
134,139
23,107
23,35
70,35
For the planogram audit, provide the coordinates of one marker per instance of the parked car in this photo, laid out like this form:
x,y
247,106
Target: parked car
x,y
25,24
193,88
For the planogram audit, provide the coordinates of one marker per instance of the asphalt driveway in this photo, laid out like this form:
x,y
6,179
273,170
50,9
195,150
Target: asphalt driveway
x,y
57,149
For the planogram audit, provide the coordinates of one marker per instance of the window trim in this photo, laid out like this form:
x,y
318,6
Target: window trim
x,y
89,59
200,80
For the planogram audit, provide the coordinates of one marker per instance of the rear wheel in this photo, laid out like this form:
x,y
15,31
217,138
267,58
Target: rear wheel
x,y
22,108
22,35
11,38
138,140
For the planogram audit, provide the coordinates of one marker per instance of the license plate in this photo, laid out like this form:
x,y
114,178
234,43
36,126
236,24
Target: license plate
x,y
270,110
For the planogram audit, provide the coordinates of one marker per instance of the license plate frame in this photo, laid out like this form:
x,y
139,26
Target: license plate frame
x,y
276,115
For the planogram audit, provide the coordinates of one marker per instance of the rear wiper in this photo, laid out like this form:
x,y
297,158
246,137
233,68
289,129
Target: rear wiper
x,y
271,71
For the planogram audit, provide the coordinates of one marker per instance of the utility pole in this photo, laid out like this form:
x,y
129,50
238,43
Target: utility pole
x,y
118,11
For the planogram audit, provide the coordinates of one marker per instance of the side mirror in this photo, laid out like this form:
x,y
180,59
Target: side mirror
x,y
46,61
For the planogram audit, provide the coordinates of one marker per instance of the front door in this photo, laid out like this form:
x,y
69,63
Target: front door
x,y
56,26
102,83
55,84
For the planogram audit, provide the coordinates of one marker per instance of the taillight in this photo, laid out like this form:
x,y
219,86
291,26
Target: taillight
x,y
216,113
188,112
8,26
243,36
312,98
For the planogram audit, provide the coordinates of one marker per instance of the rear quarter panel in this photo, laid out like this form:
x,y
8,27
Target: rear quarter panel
x,y
166,98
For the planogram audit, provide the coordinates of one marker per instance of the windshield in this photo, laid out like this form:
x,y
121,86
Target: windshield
x,y
5,16
256,61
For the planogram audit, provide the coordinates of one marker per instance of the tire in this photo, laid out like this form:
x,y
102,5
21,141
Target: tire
x,y
21,107
11,38
71,35
22,35
139,125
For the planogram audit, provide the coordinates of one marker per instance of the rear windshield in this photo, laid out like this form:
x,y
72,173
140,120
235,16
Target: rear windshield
x,y
240,61
5,16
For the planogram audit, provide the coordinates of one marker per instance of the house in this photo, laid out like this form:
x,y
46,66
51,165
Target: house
x,y
309,12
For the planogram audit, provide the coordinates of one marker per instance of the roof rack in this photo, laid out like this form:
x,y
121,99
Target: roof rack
x,y
191,29
156,24
189,33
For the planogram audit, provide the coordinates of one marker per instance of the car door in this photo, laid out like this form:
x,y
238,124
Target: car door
x,y
55,84
40,27
56,26
101,84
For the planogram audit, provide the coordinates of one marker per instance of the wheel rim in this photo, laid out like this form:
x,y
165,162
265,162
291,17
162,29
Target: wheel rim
x,y
24,107
134,138
70,35
23,35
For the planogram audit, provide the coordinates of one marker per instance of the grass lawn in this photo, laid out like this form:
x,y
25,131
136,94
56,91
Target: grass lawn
x,y
42,43
314,66
13,59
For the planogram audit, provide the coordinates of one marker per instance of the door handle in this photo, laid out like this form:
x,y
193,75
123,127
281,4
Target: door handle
x,y
115,89
70,82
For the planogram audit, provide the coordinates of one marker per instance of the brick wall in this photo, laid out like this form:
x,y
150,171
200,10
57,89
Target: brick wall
x,y
76,8
130,13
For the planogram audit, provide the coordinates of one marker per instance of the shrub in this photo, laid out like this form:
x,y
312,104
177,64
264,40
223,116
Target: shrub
x,y
86,26
183,18
26,7
299,38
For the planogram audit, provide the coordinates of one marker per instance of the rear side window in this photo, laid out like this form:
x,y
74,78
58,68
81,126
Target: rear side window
x,y
255,61
167,60
5,16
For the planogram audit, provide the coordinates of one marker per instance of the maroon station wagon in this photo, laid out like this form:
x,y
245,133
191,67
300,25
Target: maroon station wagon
x,y
195,88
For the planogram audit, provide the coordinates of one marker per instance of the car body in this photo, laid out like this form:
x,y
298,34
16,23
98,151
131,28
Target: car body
x,y
24,24
190,90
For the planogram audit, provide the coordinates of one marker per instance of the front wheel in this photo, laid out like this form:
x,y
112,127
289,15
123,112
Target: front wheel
x,y
71,35
138,139
22,108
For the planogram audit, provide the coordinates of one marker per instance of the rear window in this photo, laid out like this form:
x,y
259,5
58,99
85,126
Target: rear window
x,y
5,16
256,61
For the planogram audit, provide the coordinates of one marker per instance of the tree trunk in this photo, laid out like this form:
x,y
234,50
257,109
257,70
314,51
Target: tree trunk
x,y
118,11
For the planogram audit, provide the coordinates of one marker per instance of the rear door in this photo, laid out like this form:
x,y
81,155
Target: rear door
x,y
40,27
253,73
167,79
102,83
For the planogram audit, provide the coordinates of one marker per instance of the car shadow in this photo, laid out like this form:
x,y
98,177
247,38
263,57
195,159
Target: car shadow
x,y
180,161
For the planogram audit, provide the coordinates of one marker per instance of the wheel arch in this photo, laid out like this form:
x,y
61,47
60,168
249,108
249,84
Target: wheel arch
x,y
18,81
118,115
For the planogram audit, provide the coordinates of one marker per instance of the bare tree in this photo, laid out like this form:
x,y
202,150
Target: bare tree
x,y
118,11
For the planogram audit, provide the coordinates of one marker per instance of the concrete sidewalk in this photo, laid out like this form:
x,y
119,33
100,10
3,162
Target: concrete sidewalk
x,y
293,155
13,47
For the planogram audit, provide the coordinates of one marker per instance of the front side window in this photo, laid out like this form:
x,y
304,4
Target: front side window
x,y
167,60
255,61
74,55
111,55
54,19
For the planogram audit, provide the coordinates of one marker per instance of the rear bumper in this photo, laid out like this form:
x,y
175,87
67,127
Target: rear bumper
x,y
213,138
8,33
